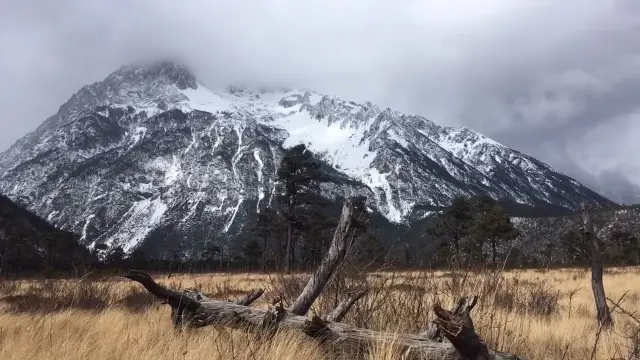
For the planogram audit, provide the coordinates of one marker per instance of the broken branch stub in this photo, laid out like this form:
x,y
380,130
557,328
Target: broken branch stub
x,y
250,297
458,328
435,332
345,305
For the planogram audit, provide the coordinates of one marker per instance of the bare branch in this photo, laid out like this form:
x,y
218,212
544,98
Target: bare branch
x,y
618,305
345,305
250,297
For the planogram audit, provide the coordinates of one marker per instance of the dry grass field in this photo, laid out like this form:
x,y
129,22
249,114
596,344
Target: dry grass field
x,y
535,314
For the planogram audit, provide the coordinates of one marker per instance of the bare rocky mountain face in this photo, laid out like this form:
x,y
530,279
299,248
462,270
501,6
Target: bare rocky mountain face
x,y
150,156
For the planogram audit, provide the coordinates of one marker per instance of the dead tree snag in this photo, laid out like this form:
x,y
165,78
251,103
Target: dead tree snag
x,y
589,237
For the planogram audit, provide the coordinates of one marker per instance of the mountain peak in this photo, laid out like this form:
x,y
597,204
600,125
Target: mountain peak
x,y
149,151
175,72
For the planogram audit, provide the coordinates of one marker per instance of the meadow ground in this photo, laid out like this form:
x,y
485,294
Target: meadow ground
x,y
532,313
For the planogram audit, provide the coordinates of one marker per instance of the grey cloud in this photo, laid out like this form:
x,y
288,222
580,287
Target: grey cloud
x,y
541,76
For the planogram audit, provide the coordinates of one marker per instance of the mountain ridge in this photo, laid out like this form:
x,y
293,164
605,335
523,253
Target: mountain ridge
x,y
152,149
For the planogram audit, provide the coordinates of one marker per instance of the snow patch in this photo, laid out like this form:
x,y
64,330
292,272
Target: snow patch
x,y
193,142
138,134
239,129
397,138
273,191
86,225
256,155
315,98
205,100
195,202
377,180
141,218
173,173
222,197
342,146
235,212
51,215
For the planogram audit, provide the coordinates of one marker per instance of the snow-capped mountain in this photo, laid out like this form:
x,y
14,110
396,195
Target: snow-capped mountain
x,y
150,151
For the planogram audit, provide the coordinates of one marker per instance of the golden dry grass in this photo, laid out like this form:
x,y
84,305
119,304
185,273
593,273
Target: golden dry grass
x,y
530,313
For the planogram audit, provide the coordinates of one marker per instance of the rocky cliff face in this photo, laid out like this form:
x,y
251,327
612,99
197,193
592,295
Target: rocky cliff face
x,y
150,154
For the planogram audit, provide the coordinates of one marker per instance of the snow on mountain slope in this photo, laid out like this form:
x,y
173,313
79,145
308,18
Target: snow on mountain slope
x,y
150,155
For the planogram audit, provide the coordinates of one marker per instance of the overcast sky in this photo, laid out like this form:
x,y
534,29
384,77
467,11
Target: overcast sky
x,y
559,80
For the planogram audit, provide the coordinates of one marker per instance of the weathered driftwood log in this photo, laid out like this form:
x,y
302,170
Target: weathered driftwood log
x,y
196,310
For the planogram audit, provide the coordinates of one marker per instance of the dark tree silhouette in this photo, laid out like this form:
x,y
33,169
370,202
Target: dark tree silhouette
x,y
252,252
453,224
576,251
210,252
299,172
268,226
115,257
495,226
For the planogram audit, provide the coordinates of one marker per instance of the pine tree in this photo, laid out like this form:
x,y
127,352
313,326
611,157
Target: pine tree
x,y
67,247
252,252
549,249
210,252
115,256
454,223
495,226
365,247
623,250
268,226
576,251
138,259
100,248
371,250
299,173
316,224
481,206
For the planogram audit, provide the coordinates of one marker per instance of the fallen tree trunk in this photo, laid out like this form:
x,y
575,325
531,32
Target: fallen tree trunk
x,y
198,313
196,310
178,316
